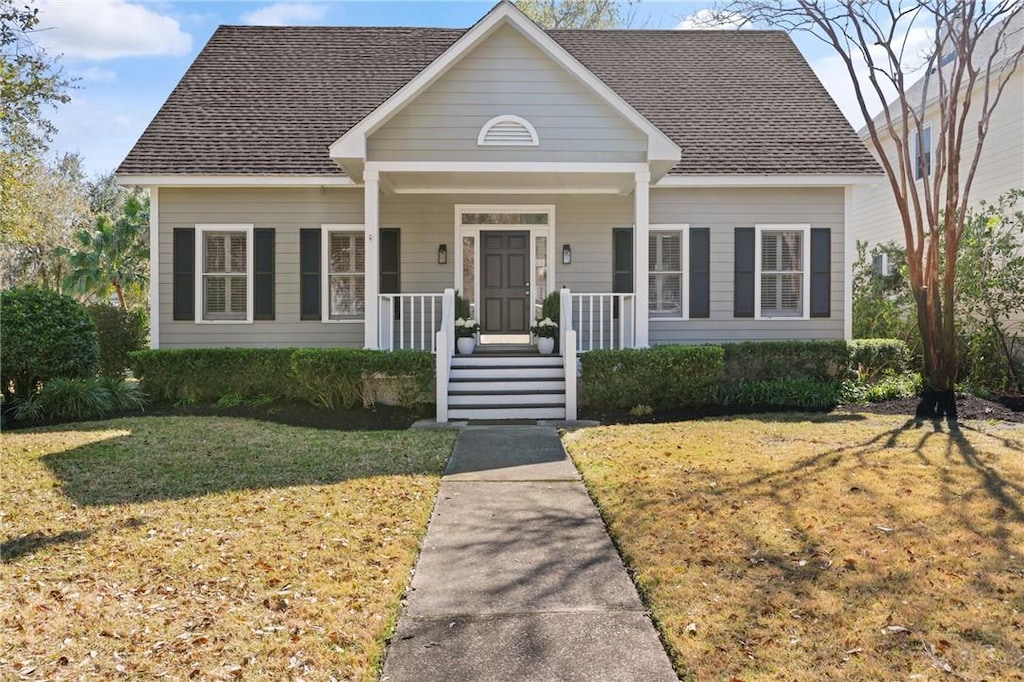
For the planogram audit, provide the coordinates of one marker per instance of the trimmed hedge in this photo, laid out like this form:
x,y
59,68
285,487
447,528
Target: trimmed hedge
x,y
875,358
773,360
664,377
328,377
120,332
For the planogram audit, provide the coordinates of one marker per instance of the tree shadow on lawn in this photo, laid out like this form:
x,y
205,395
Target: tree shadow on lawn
x,y
174,458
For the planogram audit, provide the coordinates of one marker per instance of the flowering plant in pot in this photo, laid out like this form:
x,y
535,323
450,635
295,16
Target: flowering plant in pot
x,y
546,331
466,329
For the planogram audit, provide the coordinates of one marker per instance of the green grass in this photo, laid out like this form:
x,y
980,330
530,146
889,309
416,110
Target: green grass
x,y
843,547
208,547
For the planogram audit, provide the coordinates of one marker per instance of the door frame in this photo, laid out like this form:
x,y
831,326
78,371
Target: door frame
x,y
547,231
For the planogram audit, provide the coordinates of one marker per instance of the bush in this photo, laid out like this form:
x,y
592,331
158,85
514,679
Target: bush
x,y
665,377
344,377
120,332
204,375
776,360
874,358
889,386
791,392
72,399
44,335
125,395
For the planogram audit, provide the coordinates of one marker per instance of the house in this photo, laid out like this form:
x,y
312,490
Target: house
x,y
333,186
1000,168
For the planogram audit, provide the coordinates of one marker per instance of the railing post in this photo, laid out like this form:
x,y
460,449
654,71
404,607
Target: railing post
x,y
569,359
441,377
448,320
565,317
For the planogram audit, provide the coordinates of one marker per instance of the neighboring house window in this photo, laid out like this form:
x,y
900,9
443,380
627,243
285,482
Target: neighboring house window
x,y
923,153
880,264
508,131
345,296
783,254
665,259
225,252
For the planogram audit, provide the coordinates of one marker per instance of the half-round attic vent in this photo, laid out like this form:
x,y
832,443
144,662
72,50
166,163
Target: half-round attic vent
x,y
508,130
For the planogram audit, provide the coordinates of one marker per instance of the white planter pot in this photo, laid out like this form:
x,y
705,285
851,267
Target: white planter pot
x,y
465,344
545,346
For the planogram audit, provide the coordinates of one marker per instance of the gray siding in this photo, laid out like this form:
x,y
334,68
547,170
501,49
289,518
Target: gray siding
x,y
506,74
286,210
725,209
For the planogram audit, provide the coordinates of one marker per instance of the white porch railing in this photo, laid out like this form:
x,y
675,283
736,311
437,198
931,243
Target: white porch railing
x,y
409,321
601,321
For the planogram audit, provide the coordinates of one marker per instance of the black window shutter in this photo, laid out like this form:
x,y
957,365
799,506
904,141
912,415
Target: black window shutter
x,y
184,290
390,260
700,272
309,274
263,275
743,280
622,260
821,272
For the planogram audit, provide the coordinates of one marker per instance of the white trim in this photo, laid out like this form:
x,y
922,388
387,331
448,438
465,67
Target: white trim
x,y
506,190
201,230
767,181
352,145
641,265
502,167
236,180
547,231
371,284
805,269
325,280
683,229
849,249
485,130
154,267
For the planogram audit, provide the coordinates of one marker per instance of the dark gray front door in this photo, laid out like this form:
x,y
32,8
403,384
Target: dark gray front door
x,y
505,282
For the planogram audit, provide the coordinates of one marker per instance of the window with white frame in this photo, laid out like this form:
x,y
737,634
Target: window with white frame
x,y
923,153
346,274
665,279
225,255
782,270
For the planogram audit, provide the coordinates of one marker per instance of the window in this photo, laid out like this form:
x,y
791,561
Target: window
x,y
923,145
783,252
665,260
225,254
345,295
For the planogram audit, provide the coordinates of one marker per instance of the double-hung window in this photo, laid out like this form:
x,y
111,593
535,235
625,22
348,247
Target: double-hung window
x,y
225,276
783,254
923,152
345,283
665,260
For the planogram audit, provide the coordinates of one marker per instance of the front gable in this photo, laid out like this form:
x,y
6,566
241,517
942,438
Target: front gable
x,y
506,75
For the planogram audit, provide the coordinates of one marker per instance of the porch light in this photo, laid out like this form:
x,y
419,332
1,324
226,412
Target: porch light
x,y
566,254
442,254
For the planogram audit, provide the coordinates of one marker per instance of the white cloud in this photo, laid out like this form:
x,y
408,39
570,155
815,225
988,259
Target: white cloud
x,y
705,20
96,74
108,29
285,13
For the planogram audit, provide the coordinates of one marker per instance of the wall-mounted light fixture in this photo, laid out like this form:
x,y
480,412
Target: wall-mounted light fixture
x,y
442,254
566,254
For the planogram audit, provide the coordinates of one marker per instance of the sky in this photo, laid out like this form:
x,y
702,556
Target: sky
x,y
129,55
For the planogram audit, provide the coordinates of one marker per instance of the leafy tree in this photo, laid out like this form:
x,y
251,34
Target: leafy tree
x,y
882,304
573,13
113,255
972,55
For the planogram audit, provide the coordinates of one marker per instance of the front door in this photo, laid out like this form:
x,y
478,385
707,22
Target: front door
x,y
505,282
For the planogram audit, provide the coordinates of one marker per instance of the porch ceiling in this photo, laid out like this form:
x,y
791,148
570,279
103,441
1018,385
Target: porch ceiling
x,y
507,183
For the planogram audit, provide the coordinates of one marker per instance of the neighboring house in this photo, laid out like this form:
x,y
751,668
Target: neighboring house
x,y
1000,168
326,186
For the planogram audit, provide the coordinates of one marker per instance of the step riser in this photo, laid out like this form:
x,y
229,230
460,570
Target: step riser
x,y
506,386
508,413
524,399
556,373
498,361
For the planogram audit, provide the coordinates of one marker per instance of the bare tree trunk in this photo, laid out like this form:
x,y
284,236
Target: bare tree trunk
x,y
120,295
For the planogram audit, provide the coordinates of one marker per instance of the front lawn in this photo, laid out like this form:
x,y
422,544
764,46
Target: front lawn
x,y
820,547
208,548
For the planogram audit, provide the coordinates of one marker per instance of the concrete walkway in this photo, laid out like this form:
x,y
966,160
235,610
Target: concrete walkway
x,y
517,579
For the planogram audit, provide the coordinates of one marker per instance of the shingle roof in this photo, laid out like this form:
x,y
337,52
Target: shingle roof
x,y
271,100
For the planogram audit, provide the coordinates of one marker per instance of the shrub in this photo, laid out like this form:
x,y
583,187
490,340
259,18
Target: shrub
x,y
67,399
204,375
793,392
344,377
776,360
44,335
665,377
120,332
889,386
873,358
125,395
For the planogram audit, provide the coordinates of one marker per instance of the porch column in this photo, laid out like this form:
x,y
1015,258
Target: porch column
x,y
154,267
371,226
641,230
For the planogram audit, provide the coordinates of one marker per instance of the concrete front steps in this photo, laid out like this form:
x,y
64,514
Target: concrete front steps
x,y
492,386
